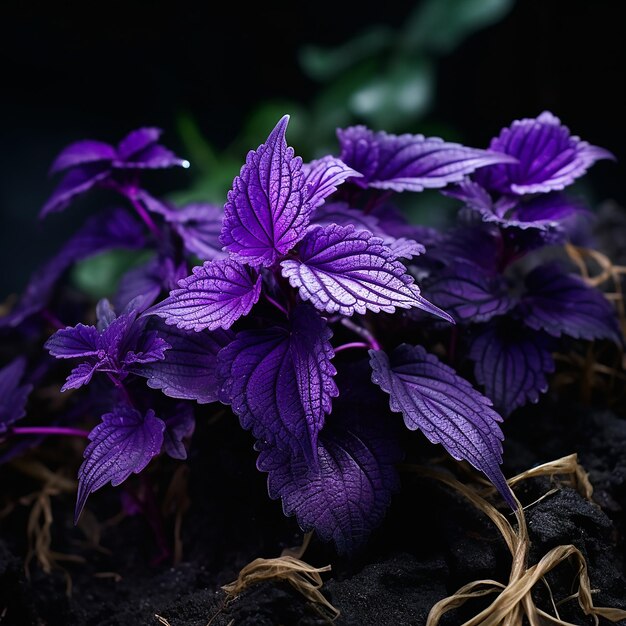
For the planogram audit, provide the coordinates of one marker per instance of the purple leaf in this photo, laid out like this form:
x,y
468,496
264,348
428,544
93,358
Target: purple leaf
x,y
215,296
189,370
410,162
340,213
112,229
345,496
115,346
279,381
562,304
150,348
74,342
543,212
199,226
432,397
148,281
123,443
266,213
83,152
13,395
74,183
511,363
550,158
80,375
323,176
136,141
343,270
469,294
178,426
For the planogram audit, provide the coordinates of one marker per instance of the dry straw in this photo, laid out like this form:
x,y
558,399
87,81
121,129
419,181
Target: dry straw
x,y
513,600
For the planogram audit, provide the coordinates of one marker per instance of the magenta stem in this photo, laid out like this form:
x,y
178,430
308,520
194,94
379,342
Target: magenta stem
x,y
362,332
49,430
350,346
143,214
279,306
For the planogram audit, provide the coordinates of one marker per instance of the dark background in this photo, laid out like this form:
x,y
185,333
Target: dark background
x,y
73,70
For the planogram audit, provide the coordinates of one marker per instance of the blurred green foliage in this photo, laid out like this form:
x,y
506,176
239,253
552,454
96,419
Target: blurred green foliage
x,y
383,77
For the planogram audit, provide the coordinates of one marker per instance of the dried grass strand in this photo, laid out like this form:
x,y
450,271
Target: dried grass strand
x,y
304,578
514,600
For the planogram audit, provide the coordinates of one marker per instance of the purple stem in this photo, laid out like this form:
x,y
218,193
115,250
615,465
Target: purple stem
x,y
362,332
129,194
52,319
120,385
349,346
279,306
49,430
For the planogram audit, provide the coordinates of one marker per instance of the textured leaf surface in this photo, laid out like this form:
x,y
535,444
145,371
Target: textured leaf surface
x,y
550,158
279,381
469,294
215,296
345,496
410,162
344,270
444,406
266,212
189,369
199,226
323,176
511,363
342,214
123,443
562,304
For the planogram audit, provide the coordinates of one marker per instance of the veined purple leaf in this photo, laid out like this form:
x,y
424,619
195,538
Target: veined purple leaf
x,y
75,342
80,375
267,210
340,213
410,162
178,426
123,443
562,304
147,281
547,211
111,229
549,157
189,370
323,176
215,296
345,496
469,294
511,363
13,395
433,398
82,152
199,226
344,270
279,381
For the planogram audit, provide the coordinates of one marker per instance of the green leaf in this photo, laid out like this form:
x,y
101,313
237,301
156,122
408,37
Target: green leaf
x,y
201,154
395,99
99,275
441,25
324,64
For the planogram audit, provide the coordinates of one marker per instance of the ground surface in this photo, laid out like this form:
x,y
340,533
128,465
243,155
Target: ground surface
x,y
431,543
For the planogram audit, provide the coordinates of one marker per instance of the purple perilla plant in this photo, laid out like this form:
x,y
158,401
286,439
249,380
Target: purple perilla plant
x,y
303,268
490,273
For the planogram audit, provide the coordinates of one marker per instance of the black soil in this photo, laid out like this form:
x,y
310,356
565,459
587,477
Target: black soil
x,y
431,543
